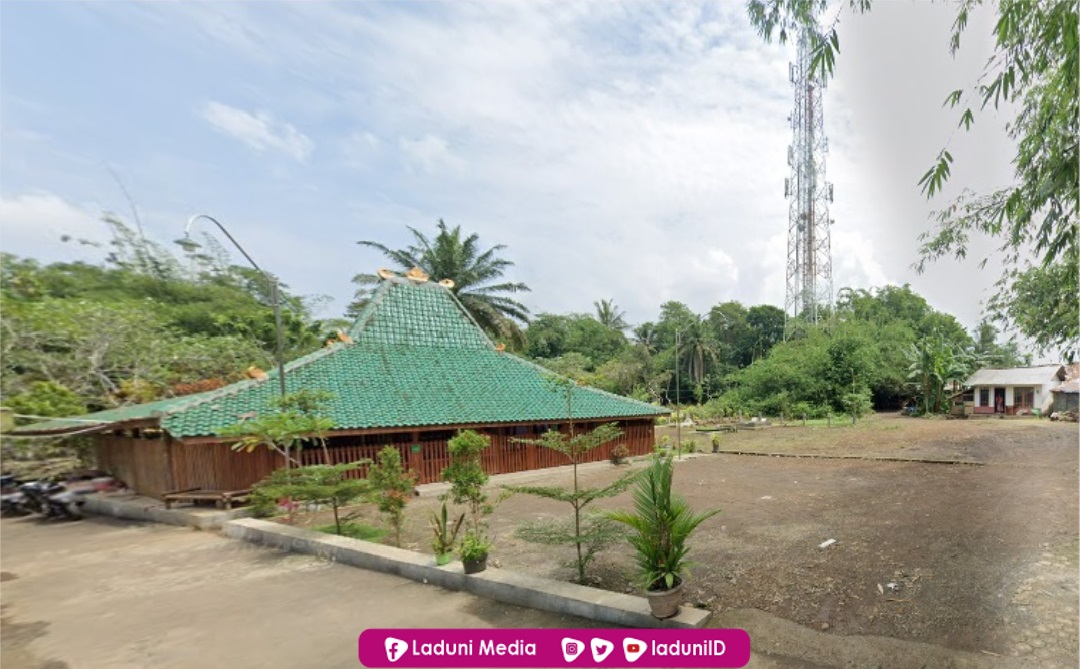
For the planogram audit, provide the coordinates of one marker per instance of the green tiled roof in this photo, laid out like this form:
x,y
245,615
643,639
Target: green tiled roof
x,y
104,418
417,359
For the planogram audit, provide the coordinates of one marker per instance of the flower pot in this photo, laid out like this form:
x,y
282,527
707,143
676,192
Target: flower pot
x,y
665,603
444,559
475,566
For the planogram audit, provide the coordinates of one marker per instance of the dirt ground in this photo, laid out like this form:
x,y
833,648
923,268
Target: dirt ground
x,y
981,555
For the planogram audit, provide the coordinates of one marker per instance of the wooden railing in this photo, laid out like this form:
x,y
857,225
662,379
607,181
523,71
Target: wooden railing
x,y
429,457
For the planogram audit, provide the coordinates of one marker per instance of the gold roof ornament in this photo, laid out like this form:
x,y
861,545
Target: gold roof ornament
x,y
385,273
416,275
447,283
343,337
500,347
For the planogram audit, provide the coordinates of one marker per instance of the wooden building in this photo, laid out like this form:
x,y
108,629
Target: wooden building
x,y
414,369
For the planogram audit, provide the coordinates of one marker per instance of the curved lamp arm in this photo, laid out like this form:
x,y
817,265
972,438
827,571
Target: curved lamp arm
x,y
275,294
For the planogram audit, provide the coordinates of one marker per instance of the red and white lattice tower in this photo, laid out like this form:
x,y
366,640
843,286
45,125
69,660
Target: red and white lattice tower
x,y
809,256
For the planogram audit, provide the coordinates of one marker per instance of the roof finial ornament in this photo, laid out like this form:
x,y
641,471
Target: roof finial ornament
x,y
447,283
385,274
416,275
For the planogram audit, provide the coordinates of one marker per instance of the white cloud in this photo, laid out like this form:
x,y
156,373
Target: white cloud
x,y
360,148
431,154
854,261
35,223
259,131
633,151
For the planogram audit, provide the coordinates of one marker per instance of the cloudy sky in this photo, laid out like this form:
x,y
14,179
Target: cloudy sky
x,y
633,150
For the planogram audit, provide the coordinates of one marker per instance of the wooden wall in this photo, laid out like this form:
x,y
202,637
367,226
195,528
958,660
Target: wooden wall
x,y
142,464
504,456
155,466
218,467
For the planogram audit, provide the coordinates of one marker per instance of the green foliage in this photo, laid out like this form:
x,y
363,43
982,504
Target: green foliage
x,y
295,421
474,546
451,255
467,477
610,315
575,448
552,336
596,533
934,365
660,525
141,326
93,348
333,485
1043,305
354,530
46,398
858,404
446,532
391,488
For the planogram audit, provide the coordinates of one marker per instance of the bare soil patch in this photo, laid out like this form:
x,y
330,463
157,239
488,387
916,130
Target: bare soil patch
x,y
980,558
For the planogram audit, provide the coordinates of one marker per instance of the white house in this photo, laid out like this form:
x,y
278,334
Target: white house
x,y
1015,391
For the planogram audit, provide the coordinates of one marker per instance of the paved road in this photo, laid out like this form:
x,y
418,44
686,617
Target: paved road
x,y
105,593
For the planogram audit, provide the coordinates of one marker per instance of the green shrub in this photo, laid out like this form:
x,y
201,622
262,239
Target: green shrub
x,y
392,488
660,524
354,530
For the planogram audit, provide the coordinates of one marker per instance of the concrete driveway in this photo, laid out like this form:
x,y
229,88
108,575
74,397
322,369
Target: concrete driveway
x,y
117,594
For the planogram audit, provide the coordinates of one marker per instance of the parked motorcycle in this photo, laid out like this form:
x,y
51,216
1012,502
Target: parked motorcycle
x,y
54,499
12,500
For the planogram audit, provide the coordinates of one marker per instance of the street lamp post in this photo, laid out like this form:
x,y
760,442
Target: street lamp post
x,y
189,245
678,418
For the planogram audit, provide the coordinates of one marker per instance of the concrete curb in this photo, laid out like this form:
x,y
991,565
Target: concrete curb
x,y
498,584
143,509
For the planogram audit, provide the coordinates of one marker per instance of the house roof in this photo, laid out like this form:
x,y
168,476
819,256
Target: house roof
x,y
1072,371
103,420
1069,387
1017,376
417,359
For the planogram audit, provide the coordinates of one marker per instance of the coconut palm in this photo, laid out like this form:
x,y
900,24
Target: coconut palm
x,y
450,255
610,315
697,349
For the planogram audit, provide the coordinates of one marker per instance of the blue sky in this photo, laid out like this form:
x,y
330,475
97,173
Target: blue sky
x,y
628,150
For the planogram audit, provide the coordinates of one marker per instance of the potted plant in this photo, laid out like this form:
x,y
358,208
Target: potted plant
x,y
716,443
446,534
474,552
660,525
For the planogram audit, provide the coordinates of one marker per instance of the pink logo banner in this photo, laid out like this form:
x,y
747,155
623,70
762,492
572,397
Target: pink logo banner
x,y
554,648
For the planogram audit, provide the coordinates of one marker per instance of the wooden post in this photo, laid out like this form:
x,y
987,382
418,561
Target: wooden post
x,y
170,481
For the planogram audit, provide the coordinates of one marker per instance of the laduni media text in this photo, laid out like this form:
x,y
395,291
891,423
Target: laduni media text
x,y
591,648
481,648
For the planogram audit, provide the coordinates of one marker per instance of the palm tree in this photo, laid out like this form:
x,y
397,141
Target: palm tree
x,y
449,256
697,350
647,335
610,315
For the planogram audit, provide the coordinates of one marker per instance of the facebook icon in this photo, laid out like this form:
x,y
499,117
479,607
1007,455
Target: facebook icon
x,y
395,648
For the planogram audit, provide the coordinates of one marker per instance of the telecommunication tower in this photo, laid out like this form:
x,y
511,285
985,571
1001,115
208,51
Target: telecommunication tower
x,y
809,256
